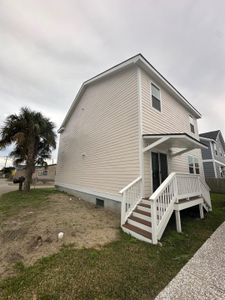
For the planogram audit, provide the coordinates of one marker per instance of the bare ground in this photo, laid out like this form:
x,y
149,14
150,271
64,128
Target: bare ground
x,y
34,232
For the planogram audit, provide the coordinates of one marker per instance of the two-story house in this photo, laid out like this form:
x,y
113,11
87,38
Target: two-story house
x,y
214,155
130,142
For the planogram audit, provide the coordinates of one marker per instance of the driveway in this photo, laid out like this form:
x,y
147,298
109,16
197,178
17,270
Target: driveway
x,y
6,186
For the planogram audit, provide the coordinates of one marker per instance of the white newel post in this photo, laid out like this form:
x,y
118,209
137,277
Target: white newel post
x,y
154,221
200,186
176,188
123,208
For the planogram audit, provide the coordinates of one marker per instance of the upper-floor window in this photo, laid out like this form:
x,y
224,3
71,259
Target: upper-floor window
x,y
221,152
192,124
193,165
215,148
222,171
156,99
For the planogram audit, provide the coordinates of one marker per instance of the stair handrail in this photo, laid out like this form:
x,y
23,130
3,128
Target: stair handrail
x,y
161,211
205,189
131,195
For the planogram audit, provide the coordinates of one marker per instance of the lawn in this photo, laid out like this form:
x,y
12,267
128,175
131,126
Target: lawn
x,y
123,269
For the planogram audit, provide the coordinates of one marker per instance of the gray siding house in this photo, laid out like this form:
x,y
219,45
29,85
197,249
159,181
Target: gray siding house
x,y
214,156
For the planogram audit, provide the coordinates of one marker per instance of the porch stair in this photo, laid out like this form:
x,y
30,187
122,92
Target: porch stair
x,y
147,218
139,223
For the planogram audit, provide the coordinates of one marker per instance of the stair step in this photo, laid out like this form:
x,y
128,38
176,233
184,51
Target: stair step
x,y
144,205
142,212
137,230
139,220
141,216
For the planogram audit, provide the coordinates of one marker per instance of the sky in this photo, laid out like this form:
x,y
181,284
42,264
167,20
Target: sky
x,y
48,48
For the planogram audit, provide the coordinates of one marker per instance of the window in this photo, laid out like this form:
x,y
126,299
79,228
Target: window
x,y
215,148
192,125
156,102
222,171
193,165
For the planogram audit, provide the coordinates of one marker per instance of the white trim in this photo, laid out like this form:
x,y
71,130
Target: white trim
x,y
140,61
160,96
180,152
156,143
109,196
151,169
129,185
180,206
213,157
213,160
194,168
140,120
177,137
207,139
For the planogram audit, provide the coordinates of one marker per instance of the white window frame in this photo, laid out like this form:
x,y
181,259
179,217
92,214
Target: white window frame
x,y
194,161
160,96
191,122
215,148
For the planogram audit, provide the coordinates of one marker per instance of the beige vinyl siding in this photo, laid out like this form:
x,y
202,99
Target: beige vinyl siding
x,y
99,148
173,118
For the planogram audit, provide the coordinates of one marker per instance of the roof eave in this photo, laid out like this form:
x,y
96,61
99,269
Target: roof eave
x,y
140,61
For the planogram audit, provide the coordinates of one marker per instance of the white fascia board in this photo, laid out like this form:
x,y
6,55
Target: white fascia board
x,y
149,68
93,80
140,61
177,137
206,139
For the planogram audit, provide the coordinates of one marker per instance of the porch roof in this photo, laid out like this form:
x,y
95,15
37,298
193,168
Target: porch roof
x,y
168,141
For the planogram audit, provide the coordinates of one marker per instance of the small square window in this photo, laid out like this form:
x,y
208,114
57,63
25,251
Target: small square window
x,y
156,101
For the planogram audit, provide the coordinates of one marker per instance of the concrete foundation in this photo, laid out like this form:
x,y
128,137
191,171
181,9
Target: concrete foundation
x,y
108,203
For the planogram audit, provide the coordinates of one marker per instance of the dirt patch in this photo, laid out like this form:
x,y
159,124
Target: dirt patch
x,y
62,219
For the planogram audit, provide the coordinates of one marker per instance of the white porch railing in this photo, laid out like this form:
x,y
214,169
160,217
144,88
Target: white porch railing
x,y
205,192
132,194
176,186
188,185
162,201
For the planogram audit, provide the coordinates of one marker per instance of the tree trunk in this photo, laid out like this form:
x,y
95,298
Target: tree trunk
x,y
29,169
28,180
20,185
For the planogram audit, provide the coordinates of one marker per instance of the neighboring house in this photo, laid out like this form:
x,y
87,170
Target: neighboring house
x,y
130,142
40,174
45,173
214,155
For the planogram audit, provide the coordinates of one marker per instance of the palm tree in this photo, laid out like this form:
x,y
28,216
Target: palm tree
x,y
33,137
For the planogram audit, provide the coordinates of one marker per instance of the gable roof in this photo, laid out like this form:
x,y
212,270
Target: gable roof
x,y
140,61
210,135
213,136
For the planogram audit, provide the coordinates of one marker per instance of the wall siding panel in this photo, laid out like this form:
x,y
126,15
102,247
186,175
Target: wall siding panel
x,y
99,146
173,118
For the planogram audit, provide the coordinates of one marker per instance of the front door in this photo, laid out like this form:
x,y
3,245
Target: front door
x,y
159,169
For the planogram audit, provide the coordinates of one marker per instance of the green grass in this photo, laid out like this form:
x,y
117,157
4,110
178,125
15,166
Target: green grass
x,y
11,203
125,269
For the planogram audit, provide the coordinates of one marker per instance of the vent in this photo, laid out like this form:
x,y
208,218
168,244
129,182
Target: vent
x,y
99,202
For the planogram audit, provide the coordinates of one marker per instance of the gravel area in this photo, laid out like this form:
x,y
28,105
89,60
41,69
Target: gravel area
x,y
203,277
